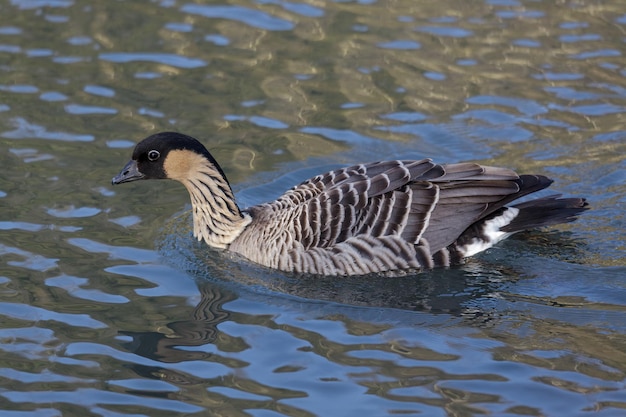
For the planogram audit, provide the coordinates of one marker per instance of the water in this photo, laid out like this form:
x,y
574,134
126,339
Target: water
x,y
109,308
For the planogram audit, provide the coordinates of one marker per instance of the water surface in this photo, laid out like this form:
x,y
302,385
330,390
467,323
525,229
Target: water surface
x,y
109,308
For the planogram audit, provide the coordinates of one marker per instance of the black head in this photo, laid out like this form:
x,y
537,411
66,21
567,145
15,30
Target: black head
x,y
150,156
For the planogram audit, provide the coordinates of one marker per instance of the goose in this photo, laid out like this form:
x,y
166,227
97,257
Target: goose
x,y
380,217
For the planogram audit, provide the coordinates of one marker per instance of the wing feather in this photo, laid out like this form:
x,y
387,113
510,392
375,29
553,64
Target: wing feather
x,y
424,203
354,200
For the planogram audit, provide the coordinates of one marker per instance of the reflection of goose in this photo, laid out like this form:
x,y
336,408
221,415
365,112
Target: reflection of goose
x,y
382,216
199,330
177,344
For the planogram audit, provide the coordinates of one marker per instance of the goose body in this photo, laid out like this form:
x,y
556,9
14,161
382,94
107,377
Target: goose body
x,y
367,218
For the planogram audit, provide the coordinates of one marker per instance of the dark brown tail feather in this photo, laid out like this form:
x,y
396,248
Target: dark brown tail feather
x,y
546,211
528,184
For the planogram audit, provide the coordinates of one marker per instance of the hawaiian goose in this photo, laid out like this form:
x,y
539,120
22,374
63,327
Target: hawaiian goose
x,y
376,217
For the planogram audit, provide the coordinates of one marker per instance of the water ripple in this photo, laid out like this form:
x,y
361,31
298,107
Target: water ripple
x,y
558,76
10,30
405,116
37,4
89,398
31,261
400,44
601,53
45,377
73,286
446,31
298,8
36,314
30,155
527,107
591,109
347,136
26,130
218,40
251,17
173,60
17,88
82,109
115,252
98,90
72,212
53,96
569,93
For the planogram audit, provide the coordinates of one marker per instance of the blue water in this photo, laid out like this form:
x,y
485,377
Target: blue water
x,y
109,307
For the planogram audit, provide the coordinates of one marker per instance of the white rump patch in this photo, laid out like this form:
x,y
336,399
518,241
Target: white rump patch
x,y
491,233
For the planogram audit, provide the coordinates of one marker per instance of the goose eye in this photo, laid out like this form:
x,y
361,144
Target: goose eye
x,y
153,155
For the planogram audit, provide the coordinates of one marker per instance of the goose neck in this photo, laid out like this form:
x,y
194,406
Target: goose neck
x,y
216,217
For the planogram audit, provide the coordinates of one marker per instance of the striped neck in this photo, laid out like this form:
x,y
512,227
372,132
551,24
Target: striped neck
x,y
216,217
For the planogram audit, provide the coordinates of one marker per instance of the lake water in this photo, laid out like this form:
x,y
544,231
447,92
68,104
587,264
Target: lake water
x,y
109,308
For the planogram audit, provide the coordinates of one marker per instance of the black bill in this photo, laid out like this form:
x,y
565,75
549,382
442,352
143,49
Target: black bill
x,y
129,173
